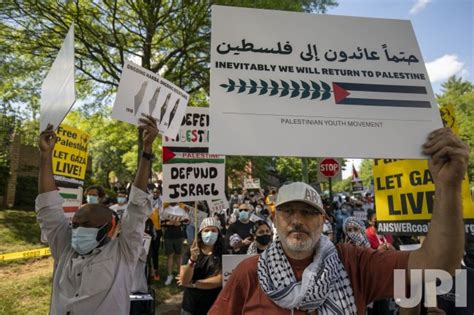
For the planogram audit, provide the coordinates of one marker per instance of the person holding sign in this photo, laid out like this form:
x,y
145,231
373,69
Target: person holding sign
x,y
304,272
93,271
239,234
201,270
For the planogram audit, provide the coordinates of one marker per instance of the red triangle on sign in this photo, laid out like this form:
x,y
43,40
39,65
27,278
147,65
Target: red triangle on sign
x,y
167,154
339,93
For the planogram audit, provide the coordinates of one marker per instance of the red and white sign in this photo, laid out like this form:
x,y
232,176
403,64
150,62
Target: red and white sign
x,y
329,167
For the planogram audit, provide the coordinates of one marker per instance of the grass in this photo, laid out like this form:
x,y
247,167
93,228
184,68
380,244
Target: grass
x,y
25,286
19,231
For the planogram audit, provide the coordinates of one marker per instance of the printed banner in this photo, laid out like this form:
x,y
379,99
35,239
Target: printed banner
x,y
72,199
280,88
190,173
144,92
58,92
70,152
404,192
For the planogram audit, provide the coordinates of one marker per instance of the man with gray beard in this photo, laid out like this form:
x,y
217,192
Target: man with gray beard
x,y
303,272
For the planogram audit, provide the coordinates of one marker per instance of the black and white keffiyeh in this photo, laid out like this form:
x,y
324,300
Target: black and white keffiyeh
x,y
325,285
252,250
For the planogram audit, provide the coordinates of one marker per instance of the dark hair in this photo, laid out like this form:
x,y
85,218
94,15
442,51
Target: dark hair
x,y
99,188
370,214
257,224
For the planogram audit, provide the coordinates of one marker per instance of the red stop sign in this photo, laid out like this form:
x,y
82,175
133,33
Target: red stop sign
x,y
329,167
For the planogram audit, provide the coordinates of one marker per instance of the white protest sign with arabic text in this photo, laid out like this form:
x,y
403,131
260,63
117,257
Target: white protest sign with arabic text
x,y
309,85
58,92
144,92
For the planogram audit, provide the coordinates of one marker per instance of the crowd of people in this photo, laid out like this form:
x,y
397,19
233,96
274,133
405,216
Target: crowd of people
x,y
306,254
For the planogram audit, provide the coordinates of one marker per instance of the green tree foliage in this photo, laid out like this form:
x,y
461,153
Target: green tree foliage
x,y
113,147
343,185
460,93
168,37
289,169
366,172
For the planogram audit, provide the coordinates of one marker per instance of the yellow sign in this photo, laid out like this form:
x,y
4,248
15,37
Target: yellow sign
x,y
404,193
70,152
26,254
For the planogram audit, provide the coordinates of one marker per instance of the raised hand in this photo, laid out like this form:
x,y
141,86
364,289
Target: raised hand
x,y
150,130
194,251
47,140
449,157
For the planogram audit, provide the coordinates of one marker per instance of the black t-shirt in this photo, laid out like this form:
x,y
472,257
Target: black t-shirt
x,y
199,301
243,230
172,231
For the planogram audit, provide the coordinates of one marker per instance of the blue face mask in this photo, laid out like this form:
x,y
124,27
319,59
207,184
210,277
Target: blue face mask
x,y
84,240
244,215
121,199
209,238
92,199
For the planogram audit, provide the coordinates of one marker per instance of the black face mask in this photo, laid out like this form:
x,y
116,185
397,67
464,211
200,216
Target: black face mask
x,y
265,212
264,239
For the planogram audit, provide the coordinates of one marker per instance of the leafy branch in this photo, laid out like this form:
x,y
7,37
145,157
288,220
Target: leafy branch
x,y
293,89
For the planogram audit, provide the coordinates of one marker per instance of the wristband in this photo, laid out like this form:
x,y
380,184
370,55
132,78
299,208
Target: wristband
x,y
191,262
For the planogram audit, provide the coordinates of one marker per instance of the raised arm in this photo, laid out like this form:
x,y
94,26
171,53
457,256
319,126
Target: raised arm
x,y
139,206
444,245
46,143
48,204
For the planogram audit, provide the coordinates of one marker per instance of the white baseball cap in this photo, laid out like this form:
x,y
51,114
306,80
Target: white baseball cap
x,y
302,192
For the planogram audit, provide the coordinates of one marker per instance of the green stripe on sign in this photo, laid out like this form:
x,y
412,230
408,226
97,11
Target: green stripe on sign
x,y
194,161
68,196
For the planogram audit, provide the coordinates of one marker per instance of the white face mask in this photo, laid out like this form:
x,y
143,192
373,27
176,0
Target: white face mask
x,y
209,238
84,240
92,199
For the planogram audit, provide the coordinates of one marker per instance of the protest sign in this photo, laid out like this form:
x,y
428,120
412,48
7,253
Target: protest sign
x,y
146,242
217,205
229,263
72,200
58,92
190,173
143,92
70,153
360,214
252,183
404,192
330,92
404,195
